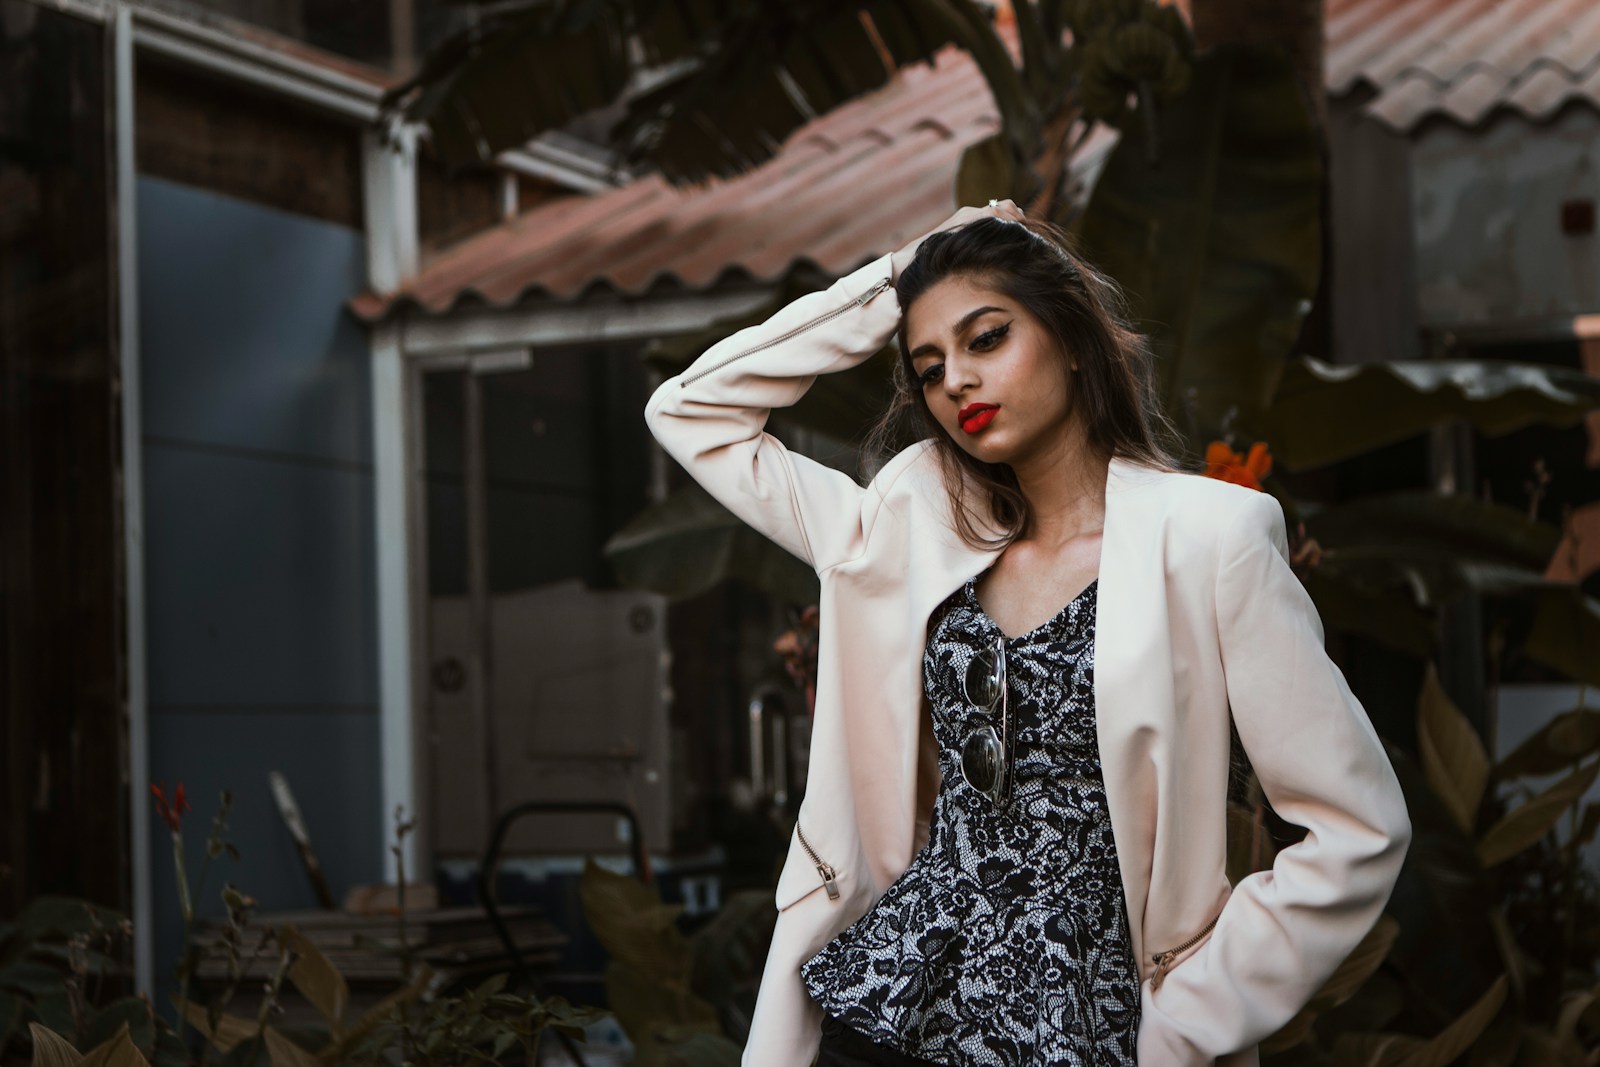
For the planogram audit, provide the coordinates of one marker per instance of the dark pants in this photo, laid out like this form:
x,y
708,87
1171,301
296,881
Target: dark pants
x,y
843,1046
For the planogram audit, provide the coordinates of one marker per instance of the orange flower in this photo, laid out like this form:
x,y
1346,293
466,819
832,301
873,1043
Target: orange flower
x,y
1224,463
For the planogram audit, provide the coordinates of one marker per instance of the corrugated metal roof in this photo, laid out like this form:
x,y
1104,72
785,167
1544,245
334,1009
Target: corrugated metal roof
x,y
848,186
1464,59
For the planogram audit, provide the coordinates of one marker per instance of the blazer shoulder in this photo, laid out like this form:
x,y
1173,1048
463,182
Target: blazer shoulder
x,y
1208,511
1202,502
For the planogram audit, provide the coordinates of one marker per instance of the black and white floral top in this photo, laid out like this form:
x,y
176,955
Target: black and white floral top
x,y
1006,939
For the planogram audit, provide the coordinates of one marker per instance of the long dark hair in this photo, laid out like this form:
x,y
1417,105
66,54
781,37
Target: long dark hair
x,y
1032,262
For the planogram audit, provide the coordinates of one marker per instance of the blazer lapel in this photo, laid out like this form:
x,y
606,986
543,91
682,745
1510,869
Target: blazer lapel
x,y
1132,679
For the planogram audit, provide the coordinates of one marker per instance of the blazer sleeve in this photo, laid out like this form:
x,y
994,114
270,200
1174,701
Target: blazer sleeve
x,y
712,417
1285,930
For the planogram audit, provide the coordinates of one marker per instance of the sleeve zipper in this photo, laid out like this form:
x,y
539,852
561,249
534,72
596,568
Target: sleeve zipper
x,y
1165,960
859,301
829,875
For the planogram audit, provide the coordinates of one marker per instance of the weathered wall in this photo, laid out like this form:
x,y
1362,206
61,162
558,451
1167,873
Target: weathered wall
x,y
1487,205
1371,256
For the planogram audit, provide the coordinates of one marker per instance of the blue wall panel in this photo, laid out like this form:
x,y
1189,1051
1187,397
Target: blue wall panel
x,y
323,755
245,338
260,580
261,607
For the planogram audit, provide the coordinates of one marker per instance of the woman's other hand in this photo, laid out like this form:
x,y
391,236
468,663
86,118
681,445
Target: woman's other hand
x,y
1001,209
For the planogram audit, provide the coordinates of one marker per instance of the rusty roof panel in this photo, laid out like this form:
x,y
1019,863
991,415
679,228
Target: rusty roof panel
x,y
846,187
1464,59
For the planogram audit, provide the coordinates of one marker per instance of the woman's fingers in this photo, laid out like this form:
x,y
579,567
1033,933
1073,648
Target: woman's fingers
x,y
996,209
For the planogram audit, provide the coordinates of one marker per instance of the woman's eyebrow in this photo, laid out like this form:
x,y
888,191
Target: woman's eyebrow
x,y
966,320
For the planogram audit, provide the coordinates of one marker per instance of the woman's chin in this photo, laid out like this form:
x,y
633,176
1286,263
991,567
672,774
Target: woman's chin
x,y
982,447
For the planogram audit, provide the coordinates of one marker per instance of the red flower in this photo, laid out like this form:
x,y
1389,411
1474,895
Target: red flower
x,y
1224,463
171,814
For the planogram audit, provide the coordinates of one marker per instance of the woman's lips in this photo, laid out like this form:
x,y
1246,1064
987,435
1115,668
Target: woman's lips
x,y
977,417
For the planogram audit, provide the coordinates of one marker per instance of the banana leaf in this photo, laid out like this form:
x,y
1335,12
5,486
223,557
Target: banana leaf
x,y
1323,413
687,543
1566,632
1387,592
1461,524
1218,244
1452,961
1359,599
1565,740
705,88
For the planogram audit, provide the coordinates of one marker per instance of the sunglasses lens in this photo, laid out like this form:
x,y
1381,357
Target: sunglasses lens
x,y
980,759
983,679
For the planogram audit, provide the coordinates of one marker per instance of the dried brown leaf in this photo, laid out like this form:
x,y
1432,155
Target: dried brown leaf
x,y
317,979
50,1049
1452,754
281,1052
1529,822
118,1051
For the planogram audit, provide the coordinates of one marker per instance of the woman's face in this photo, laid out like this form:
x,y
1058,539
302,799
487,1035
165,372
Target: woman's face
x,y
990,371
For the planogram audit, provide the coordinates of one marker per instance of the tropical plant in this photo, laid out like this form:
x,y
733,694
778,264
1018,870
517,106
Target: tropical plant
x,y
684,1000
60,962
58,953
705,88
1501,850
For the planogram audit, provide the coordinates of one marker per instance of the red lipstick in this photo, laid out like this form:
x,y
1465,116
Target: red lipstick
x,y
975,417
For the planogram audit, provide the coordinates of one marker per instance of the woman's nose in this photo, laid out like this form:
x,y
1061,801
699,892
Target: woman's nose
x,y
959,376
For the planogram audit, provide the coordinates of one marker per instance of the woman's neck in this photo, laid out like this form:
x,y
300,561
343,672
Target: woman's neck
x,y
1066,491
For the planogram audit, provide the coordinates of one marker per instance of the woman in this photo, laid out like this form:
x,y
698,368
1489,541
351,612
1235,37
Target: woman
x,y
1035,634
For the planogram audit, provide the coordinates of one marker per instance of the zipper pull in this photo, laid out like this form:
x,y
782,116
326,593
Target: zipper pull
x,y
1163,961
828,881
877,288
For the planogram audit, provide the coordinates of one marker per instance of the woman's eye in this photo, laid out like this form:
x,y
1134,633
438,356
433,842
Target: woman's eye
x,y
989,338
931,374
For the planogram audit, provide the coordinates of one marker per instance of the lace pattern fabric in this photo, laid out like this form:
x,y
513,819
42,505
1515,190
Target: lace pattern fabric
x,y
1005,941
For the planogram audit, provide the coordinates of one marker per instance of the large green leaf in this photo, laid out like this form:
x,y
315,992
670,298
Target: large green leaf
x,y
1566,632
1565,740
317,979
682,1048
1528,822
117,1051
1388,592
1403,1050
688,543
1323,413
50,1049
1461,524
730,953
1354,595
1219,244
1453,758
708,88
637,929
132,1013
52,916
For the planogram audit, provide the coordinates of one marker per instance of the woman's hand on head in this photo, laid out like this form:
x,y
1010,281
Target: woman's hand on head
x,y
1001,209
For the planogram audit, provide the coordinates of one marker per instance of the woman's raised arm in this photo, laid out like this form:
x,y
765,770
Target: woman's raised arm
x,y
712,417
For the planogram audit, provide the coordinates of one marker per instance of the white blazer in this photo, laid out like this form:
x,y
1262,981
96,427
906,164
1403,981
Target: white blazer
x,y
1198,613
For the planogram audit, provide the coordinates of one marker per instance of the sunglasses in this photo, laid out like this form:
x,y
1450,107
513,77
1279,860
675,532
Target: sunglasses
x,y
987,755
